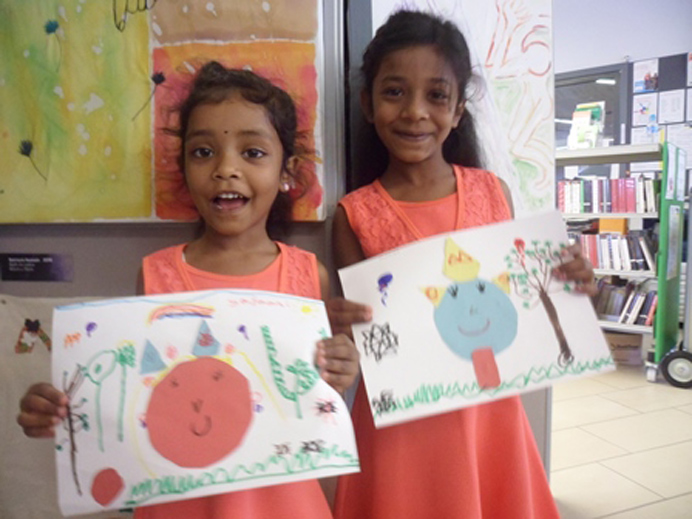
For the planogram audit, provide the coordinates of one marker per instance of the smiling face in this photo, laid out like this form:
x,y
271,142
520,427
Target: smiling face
x,y
414,104
476,314
233,166
199,413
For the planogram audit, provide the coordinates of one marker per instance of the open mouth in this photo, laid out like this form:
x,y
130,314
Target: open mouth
x,y
475,333
229,201
203,428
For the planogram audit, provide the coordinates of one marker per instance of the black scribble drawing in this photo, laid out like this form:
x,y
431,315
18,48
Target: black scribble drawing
x,y
385,403
282,449
380,341
313,446
326,409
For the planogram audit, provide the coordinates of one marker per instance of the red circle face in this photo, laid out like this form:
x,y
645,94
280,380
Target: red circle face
x,y
106,486
199,412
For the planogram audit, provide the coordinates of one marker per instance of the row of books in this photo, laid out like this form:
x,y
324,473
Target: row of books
x,y
633,251
626,304
608,195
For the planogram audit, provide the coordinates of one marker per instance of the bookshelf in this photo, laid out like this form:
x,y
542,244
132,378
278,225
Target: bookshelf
x,y
670,216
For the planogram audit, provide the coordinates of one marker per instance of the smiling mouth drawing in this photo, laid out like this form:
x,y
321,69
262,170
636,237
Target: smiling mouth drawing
x,y
475,333
205,428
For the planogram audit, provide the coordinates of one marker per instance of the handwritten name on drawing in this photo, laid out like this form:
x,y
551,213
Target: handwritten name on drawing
x,y
385,403
254,301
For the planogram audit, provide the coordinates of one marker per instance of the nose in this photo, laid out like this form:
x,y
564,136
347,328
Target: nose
x,y
415,107
197,405
227,167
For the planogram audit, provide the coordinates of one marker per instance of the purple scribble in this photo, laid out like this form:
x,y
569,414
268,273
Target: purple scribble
x,y
243,330
383,283
90,327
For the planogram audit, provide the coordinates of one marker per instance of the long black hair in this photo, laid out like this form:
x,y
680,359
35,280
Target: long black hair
x,y
402,30
215,83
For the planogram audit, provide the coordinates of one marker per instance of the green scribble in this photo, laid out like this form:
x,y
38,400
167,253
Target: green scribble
x,y
273,466
432,393
98,370
304,374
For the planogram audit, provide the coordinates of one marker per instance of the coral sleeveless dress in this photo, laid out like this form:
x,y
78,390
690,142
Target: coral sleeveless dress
x,y
476,463
293,272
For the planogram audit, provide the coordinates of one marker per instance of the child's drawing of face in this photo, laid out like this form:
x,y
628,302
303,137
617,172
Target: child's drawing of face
x,y
199,413
476,314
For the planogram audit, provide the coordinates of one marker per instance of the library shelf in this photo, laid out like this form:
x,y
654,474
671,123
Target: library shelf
x,y
632,274
627,328
593,216
609,154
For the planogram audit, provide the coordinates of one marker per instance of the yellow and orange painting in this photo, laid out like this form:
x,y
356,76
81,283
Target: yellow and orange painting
x,y
86,87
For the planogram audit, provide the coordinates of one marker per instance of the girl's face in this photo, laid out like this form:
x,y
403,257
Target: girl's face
x,y
414,103
233,158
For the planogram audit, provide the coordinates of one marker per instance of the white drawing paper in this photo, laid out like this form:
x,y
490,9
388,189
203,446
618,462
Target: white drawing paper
x,y
463,318
179,396
688,110
644,109
645,76
671,106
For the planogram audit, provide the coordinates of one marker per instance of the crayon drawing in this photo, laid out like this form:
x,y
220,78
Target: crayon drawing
x,y
201,394
478,316
87,89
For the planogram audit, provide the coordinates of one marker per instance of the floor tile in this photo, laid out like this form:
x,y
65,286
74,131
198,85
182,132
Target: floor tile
x,y
578,388
591,409
686,409
645,431
624,377
675,508
651,397
665,471
592,491
572,447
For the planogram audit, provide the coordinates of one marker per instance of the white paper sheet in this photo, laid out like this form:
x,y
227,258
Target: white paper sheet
x,y
446,335
184,395
645,76
644,109
671,106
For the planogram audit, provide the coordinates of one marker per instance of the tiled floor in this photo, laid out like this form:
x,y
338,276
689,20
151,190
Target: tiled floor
x,y
622,448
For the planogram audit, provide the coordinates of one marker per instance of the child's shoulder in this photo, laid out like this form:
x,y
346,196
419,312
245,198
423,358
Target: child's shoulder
x,y
362,193
165,254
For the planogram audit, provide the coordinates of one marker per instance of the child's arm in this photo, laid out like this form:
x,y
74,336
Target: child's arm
x,y
337,356
346,251
508,196
41,409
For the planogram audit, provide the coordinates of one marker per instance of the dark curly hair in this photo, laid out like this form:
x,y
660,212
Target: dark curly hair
x,y
215,83
405,29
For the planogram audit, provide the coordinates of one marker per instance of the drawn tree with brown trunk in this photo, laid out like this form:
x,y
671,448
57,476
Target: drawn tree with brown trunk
x,y
531,275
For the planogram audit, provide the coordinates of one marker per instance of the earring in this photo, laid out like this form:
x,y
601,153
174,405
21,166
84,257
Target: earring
x,y
285,187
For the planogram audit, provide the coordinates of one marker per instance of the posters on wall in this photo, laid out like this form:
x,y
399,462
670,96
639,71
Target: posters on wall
x,y
645,76
87,90
511,98
645,109
469,317
202,393
671,106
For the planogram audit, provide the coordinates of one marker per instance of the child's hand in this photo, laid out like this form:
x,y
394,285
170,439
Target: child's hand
x,y
343,313
579,270
41,409
337,359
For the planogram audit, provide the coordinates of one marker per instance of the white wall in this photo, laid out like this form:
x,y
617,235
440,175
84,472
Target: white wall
x,y
592,33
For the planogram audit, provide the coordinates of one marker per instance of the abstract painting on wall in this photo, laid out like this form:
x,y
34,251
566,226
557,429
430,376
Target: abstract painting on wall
x,y
87,90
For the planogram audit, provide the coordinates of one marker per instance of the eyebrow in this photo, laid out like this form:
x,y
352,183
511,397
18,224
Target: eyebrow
x,y
437,80
244,133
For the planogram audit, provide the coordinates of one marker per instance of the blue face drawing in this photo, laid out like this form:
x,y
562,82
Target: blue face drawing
x,y
476,314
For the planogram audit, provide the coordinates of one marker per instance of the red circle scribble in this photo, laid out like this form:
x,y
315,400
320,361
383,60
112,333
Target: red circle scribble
x,y
199,413
106,486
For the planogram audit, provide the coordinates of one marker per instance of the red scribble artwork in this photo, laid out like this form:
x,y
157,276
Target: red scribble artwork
x,y
106,486
290,65
199,413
